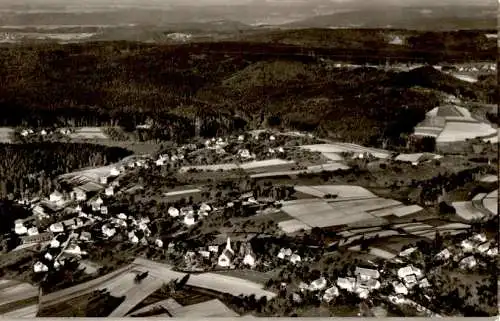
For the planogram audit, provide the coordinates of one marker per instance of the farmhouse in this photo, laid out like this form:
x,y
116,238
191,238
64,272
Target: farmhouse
x,y
366,274
468,263
330,294
318,284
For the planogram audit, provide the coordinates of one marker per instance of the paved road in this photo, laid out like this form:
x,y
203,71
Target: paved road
x,y
26,312
120,283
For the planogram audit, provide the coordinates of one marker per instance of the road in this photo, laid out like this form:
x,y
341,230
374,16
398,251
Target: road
x,y
120,282
27,312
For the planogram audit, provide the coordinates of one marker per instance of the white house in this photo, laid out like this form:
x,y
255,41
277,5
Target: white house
x,y
468,263
225,258
172,211
346,283
24,133
99,201
272,138
20,229
362,293
189,220
483,248
205,254
33,231
492,251
467,246
48,257
74,249
55,244
159,243
204,207
443,255
103,180
250,259
479,238
56,197
43,132
366,274
39,267
318,284
122,216
188,210
85,236
295,258
56,228
330,294
281,150
400,288
79,194
109,191
109,232
424,283
104,210
213,248
241,138
244,153
409,270
410,280
114,172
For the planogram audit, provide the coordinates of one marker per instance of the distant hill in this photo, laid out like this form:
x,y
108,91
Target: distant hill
x,y
229,86
436,18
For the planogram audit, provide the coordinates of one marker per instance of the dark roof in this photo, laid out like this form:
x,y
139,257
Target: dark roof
x,y
90,187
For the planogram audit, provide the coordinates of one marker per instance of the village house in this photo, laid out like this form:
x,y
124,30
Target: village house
x,y
172,211
40,238
213,248
400,288
409,270
39,212
85,236
250,259
330,294
57,228
109,191
364,274
114,172
32,231
48,257
318,284
468,263
295,258
39,267
467,246
443,255
20,229
189,219
109,232
159,243
56,197
104,210
54,244
346,283
204,254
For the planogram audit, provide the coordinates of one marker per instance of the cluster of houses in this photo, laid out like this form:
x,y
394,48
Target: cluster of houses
x,y
27,132
364,281
214,256
470,251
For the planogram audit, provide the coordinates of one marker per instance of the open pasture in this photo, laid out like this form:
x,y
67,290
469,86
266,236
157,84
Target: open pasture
x,y
342,191
212,308
467,211
460,131
89,133
6,134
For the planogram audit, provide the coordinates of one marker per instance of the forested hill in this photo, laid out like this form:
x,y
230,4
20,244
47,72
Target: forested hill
x,y
29,169
226,86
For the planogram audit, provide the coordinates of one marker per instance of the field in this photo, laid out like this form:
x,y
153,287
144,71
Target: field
x,y
342,191
121,283
212,308
338,148
13,293
89,133
6,134
467,211
253,276
460,131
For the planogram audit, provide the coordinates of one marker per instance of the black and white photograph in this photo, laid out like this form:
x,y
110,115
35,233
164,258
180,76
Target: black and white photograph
x,y
249,158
